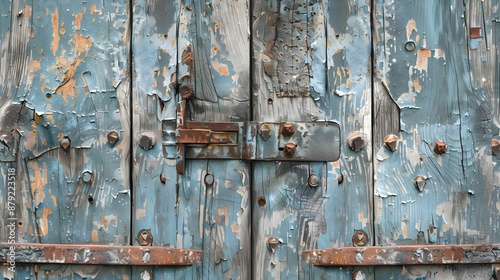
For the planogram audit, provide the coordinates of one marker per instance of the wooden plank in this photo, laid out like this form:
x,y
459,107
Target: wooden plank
x,y
298,216
198,50
440,75
63,89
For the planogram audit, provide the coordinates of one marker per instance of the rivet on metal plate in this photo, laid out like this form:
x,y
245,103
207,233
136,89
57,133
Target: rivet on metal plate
x,y
87,177
391,142
410,46
419,182
359,238
145,238
313,180
261,201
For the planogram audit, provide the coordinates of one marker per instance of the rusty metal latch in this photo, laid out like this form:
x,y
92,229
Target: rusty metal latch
x,y
99,254
404,255
269,141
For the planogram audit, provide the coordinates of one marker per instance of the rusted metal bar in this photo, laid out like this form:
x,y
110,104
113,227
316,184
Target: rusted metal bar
x,y
98,254
404,255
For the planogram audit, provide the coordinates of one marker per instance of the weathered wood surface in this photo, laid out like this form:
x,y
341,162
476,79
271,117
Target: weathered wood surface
x,y
445,89
331,38
199,49
64,79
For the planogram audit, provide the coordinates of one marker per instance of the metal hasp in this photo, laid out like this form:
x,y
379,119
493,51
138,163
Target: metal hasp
x,y
404,255
99,254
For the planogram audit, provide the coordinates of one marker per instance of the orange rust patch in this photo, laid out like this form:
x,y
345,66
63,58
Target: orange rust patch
x,y
235,228
27,12
422,59
104,221
82,44
67,87
95,236
55,32
224,211
78,21
94,10
38,181
44,223
220,68
410,26
416,85
62,31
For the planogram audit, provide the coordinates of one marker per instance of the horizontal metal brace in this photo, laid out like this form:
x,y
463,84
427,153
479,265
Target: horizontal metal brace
x,y
98,254
404,255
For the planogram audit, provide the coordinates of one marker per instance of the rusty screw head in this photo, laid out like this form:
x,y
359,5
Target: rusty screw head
x,y
209,180
313,180
65,142
261,201
163,178
290,150
145,238
147,140
391,142
440,147
272,244
419,182
359,238
495,147
358,275
113,137
265,131
357,141
287,130
87,177
147,275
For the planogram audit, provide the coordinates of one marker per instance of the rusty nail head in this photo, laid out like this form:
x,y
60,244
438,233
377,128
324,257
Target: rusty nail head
x,y
313,180
262,201
287,130
391,142
290,149
359,238
358,275
357,142
440,147
272,244
163,178
147,275
65,142
87,177
419,182
209,180
145,238
146,140
113,137
495,147
265,131
410,46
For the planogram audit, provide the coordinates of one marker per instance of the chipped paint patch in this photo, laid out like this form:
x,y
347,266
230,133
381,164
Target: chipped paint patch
x,y
43,228
220,68
422,59
410,27
55,32
38,182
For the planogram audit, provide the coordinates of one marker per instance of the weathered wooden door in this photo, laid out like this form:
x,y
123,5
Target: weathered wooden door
x,y
266,134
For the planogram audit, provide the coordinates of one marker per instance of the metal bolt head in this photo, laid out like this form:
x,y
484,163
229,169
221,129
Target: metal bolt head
x,y
145,238
265,131
113,137
419,182
163,178
209,180
261,201
147,275
359,238
287,129
87,177
146,140
290,150
358,275
313,180
391,142
440,147
272,244
495,147
65,142
357,142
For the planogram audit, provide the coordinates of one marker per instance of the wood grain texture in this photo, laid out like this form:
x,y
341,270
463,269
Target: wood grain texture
x,y
445,91
64,71
204,48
